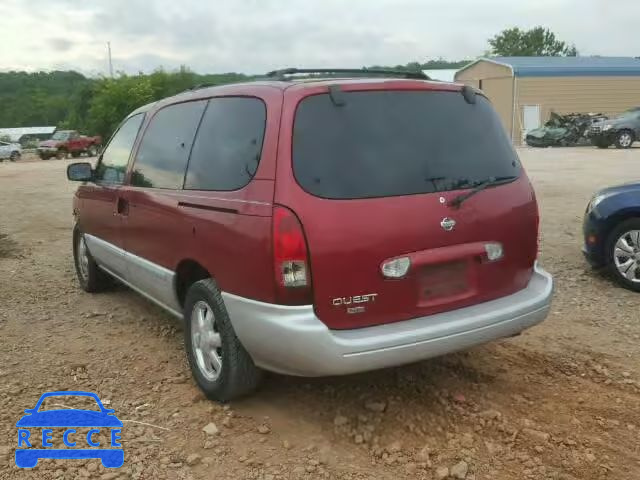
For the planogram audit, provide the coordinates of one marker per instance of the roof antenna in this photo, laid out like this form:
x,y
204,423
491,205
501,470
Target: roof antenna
x,y
337,96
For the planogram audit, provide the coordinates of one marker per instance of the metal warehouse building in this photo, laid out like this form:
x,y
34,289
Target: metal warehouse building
x,y
525,90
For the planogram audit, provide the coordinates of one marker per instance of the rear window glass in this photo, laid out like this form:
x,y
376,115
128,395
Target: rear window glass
x,y
161,161
390,143
226,151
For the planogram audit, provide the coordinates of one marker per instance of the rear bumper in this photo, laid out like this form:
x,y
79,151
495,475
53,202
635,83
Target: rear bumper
x,y
293,341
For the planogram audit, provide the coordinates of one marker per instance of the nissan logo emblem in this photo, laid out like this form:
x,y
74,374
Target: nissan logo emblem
x,y
448,224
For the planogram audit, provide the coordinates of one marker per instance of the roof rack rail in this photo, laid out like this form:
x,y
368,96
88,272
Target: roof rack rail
x,y
199,86
283,73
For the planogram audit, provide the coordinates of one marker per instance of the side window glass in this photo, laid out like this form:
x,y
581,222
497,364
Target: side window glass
x,y
227,150
162,157
113,164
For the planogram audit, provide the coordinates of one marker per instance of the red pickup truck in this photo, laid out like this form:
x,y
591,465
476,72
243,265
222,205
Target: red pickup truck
x,y
65,142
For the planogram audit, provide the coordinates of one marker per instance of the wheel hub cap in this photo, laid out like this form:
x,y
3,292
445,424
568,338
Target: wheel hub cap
x,y
206,341
83,258
625,140
626,255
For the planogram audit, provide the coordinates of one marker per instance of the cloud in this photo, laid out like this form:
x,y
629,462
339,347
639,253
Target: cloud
x,y
254,36
147,63
61,44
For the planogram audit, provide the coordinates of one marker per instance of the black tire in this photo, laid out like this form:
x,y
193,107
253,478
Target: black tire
x,y
624,139
93,280
238,375
44,156
15,156
618,232
75,154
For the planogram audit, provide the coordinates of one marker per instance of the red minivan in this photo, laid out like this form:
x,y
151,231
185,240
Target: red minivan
x,y
316,226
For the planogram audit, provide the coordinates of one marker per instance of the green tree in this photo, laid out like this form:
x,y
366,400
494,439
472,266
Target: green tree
x,y
538,41
112,99
80,101
439,63
38,98
95,106
70,100
115,98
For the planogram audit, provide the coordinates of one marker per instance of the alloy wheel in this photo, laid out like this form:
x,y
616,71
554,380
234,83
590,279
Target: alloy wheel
x,y
206,341
625,139
626,255
83,258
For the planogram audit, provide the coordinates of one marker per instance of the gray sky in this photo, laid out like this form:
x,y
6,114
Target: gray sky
x,y
254,36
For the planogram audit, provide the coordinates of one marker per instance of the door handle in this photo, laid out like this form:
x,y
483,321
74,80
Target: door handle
x,y
122,207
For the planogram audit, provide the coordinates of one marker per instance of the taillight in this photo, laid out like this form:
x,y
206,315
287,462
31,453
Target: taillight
x,y
291,259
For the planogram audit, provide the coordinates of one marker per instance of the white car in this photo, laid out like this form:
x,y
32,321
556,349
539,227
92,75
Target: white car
x,y
12,151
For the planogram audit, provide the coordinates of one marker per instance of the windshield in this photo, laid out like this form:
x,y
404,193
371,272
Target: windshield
x,y
390,143
635,113
60,136
79,402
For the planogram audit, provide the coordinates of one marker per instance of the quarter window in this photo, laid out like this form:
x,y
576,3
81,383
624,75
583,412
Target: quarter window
x,y
162,157
226,152
113,163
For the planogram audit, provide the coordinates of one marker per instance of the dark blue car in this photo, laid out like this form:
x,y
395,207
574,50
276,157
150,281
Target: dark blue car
x,y
32,446
612,233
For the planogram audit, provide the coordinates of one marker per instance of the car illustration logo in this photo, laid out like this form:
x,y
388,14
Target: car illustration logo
x,y
32,446
448,224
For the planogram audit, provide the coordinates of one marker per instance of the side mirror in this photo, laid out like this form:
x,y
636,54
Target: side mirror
x,y
79,172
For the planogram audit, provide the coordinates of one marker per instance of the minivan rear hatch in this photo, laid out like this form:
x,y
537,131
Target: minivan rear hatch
x,y
373,178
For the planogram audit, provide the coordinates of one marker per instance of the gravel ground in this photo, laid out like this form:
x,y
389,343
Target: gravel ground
x,y
559,402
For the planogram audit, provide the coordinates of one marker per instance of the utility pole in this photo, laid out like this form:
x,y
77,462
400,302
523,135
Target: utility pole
x,y
110,63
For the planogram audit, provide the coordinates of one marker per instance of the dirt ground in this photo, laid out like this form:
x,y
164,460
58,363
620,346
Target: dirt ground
x,y
559,402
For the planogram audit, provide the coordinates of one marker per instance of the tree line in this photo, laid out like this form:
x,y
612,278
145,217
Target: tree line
x,y
70,100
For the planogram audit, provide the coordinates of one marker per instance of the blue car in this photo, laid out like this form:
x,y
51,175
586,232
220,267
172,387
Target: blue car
x,y
611,230
29,452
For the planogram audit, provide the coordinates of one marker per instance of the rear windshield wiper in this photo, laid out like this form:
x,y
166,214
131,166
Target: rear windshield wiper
x,y
481,185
